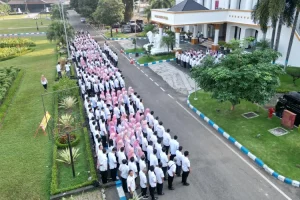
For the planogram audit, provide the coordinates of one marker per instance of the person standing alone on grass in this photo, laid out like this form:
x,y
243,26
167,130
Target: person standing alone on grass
x,y
44,82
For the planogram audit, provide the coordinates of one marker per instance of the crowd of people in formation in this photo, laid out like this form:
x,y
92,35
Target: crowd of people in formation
x,y
192,58
131,143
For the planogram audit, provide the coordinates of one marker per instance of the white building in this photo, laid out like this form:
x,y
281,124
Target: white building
x,y
222,19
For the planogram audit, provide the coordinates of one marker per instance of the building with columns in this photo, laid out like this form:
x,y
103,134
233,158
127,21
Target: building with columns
x,y
222,20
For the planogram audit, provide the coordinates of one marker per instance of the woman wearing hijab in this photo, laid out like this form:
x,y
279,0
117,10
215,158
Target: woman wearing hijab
x,y
44,82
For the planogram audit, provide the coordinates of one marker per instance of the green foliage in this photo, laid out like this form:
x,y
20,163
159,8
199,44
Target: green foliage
x,y
168,40
56,32
9,53
148,50
62,140
142,34
66,121
68,102
264,44
128,12
222,43
65,156
160,4
56,12
67,87
16,42
4,9
147,12
109,12
149,27
7,76
234,44
248,76
87,7
294,72
134,42
4,103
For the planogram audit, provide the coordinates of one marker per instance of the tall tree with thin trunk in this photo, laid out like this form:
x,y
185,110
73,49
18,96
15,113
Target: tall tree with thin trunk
x,y
260,15
156,4
295,23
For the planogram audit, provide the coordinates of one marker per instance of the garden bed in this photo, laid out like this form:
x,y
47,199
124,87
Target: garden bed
x,y
280,153
153,58
137,50
85,173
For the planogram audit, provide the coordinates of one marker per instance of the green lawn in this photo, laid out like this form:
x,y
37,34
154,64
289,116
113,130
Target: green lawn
x,y
286,82
20,23
137,50
26,161
117,35
21,16
280,153
23,30
146,59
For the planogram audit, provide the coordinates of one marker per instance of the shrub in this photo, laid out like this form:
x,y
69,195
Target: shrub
x,y
65,155
68,102
67,87
11,52
66,121
149,27
142,34
294,72
62,140
7,76
16,42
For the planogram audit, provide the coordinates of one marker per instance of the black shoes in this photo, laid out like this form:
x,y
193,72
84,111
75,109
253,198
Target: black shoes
x,y
186,184
171,188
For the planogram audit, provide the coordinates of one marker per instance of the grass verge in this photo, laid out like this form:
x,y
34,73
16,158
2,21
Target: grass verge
x,y
137,50
10,95
23,30
146,59
17,23
279,153
25,160
116,35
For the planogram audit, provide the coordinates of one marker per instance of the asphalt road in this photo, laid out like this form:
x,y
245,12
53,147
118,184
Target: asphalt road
x,y
219,170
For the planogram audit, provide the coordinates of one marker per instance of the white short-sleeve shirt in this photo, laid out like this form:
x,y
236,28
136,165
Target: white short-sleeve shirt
x,y
131,183
185,164
171,168
143,179
152,179
159,175
124,171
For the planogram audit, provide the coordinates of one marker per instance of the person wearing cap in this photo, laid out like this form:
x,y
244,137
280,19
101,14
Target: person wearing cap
x,y
113,163
143,183
186,168
171,173
131,184
160,178
124,169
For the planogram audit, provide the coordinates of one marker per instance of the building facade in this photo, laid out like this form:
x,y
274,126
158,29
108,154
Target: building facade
x,y
223,20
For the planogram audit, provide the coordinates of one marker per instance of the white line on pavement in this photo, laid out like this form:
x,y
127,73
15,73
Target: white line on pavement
x,y
237,154
142,71
162,89
146,75
151,79
138,68
170,96
156,83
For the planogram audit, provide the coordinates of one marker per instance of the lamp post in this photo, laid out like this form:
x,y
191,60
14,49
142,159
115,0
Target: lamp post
x,y
63,16
71,155
195,97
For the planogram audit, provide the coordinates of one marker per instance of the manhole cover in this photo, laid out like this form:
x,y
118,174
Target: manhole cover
x,y
250,115
278,131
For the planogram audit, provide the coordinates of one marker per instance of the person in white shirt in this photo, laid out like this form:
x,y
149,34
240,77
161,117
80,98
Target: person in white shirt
x,y
173,147
171,173
113,164
141,106
58,70
160,178
121,155
143,183
164,160
144,144
186,168
131,184
153,158
142,163
68,70
158,147
103,132
149,151
178,161
132,166
167,140
160,131
124,169
152,182
102,159
44,82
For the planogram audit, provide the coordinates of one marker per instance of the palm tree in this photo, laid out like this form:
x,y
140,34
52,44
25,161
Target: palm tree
x,y
168,40
147,12
160,4
297,5
260,14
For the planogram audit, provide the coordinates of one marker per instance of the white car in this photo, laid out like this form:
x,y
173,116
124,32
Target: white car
x,y
82,19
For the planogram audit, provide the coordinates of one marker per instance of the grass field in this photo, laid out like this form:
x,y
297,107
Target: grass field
x,y
17,23
146,59
23,30
26,161
21,16
279,153
137,50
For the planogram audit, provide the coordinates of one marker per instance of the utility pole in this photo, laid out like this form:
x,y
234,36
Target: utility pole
x,y
63,16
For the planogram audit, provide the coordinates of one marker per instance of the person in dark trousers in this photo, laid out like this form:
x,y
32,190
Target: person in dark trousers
x,y
186,168
103,166
124,170
160,178
112,161
171,173
152,182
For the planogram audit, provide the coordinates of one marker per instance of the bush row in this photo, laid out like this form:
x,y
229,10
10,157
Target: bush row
x,y
10,93
16,42
12,52
7,76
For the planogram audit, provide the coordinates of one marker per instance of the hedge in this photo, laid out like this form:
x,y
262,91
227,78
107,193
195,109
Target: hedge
x,y
62,146
17,55
11,93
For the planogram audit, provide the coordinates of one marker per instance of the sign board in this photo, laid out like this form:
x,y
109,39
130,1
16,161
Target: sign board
x,y
161,17
288,119
44,123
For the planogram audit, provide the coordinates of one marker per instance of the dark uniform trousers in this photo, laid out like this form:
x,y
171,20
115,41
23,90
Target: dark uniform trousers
x,y
164,169
113,173
144,191
124,185
185,176
159,188
152,190
104,176
178,170
170,181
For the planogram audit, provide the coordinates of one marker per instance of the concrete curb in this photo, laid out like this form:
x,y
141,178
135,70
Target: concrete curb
x,y
133,53
243,149
120,190
21,34
155,62
72,192
138,38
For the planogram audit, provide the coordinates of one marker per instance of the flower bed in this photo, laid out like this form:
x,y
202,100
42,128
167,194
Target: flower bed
x,y
12,52
69,118
16,42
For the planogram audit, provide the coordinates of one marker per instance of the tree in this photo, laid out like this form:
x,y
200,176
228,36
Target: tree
x,y
56,12
147,12
4,9
160,4
149,27
295,24
87,7
109,12
56,32
240,76
294,72
129,5
168,40
74,4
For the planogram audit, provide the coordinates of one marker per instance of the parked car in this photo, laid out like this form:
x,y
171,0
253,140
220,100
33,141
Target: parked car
x,y
139,21
291,102
126,29
82,19
116,25
137,27
132,23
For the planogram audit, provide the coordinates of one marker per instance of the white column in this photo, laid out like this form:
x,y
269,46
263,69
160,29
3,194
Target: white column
x,y
233,4
177,40
160,31
228,33
213,5
205,30
243,35
195,31
226,4
248,5
207,4
216,39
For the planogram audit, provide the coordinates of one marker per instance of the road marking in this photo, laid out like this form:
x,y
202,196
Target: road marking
x,y
138,68
142,71
151,79
170,96
237,154
162,89
156,84
146,75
